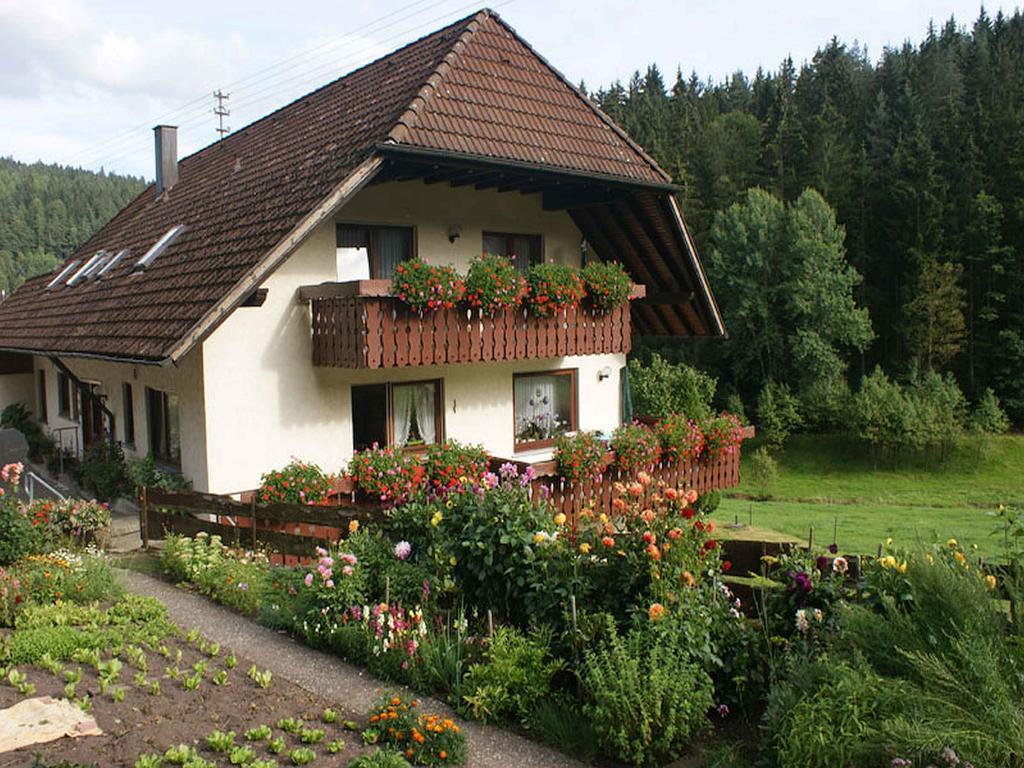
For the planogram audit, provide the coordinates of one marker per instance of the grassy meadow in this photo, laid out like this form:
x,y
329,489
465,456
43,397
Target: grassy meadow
x,y
828,481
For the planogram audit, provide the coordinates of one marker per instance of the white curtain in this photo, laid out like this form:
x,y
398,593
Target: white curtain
x,y
535,404
403,403
426,414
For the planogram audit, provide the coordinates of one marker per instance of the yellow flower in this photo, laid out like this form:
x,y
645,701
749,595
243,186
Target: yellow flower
x,y
560,518
902,568
930,559
960,558
585,548
888,542
539,537
888,562
991,581
353,526
603,517
952,544
436,519
452,560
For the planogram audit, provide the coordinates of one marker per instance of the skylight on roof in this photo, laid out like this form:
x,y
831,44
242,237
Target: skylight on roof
x,y
63,273
111,263
159,247
94,263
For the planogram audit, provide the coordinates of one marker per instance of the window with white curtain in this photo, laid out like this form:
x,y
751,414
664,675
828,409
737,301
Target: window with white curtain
x,y
364,252
404,415
544,407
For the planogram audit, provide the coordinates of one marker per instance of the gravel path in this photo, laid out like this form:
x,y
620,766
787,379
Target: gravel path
x,y
327,675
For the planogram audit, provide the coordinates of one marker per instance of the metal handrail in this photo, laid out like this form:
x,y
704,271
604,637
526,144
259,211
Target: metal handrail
x,y
29,480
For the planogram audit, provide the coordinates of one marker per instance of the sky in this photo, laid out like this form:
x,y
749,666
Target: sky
x,y
82,82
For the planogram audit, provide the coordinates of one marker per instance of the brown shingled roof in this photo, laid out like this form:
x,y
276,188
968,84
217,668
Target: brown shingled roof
x,y
473,88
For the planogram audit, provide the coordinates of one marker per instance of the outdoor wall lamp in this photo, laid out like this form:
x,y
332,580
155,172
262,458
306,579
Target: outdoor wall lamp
x,y
454,232
604,373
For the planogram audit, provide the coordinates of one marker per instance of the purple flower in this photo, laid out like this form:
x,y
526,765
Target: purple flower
x,y
403,549
822,563
722,709
244,586
833,548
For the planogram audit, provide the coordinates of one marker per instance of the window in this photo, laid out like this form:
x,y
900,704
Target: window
x,y
64,396
41,395
164,436
544,407
62,274
404,415
159,247
128,408
371,252
113,262
524,250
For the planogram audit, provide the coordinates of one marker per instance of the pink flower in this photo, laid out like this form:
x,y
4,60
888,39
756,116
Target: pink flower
x,y
347,570
330,583
309,579
403,549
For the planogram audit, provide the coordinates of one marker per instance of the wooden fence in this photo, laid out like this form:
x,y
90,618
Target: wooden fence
x,y
287,529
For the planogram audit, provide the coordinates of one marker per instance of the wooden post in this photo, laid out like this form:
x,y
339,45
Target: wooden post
x,y
572,604
252,519
144,519
490,623
835,531
387,590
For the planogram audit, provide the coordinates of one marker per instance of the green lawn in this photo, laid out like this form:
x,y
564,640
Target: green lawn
x,y
828,480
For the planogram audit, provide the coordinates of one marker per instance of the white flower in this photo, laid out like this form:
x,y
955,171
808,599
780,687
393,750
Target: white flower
x,y
818,615
801,621
840,565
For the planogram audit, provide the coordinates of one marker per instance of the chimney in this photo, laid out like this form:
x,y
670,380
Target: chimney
x,y
166,141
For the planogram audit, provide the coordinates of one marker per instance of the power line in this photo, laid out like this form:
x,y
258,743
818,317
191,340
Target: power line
x,y
100,148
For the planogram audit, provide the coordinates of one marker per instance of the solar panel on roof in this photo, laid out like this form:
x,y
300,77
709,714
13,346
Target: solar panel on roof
x,y
158,247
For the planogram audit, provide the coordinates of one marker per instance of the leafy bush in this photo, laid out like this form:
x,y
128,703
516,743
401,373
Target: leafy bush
x,y
764,472
69,576
451,465
18,537
102,469
386,474
829,712
427,287
580,456
297,483
379,758
987,417
708,502
423,738
778,413
660,389
825,404
636,448
646,696
386,577
514,675
608,284
552,288
680,438
145,473
723,435
234,578
493,284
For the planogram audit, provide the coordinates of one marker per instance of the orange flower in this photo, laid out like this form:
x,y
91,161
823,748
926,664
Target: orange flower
x,y
443,755
353,526
654,552
635,489
688,579
656,612
671,493
608,541
691,496
619,504
648,516
643,478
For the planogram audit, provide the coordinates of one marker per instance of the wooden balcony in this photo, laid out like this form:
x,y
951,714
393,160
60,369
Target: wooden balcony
x,y
360,325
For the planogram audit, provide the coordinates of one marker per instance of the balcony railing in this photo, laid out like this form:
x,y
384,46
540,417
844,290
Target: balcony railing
x,y
359,325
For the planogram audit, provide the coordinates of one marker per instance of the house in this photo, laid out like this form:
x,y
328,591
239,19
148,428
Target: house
x,y
235,314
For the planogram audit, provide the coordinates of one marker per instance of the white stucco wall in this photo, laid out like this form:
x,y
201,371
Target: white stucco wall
x,y
184,380
17,388
266,402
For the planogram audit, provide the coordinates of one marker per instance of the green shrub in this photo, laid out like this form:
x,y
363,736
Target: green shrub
x,y
144,472
68,576
27,646
384,572
379,758
987,417
102,469
764,472
646,696
825,404
552,288
608,284
493,284
707,503
829,712
778,413
882,414
18,537
514,675
660,389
